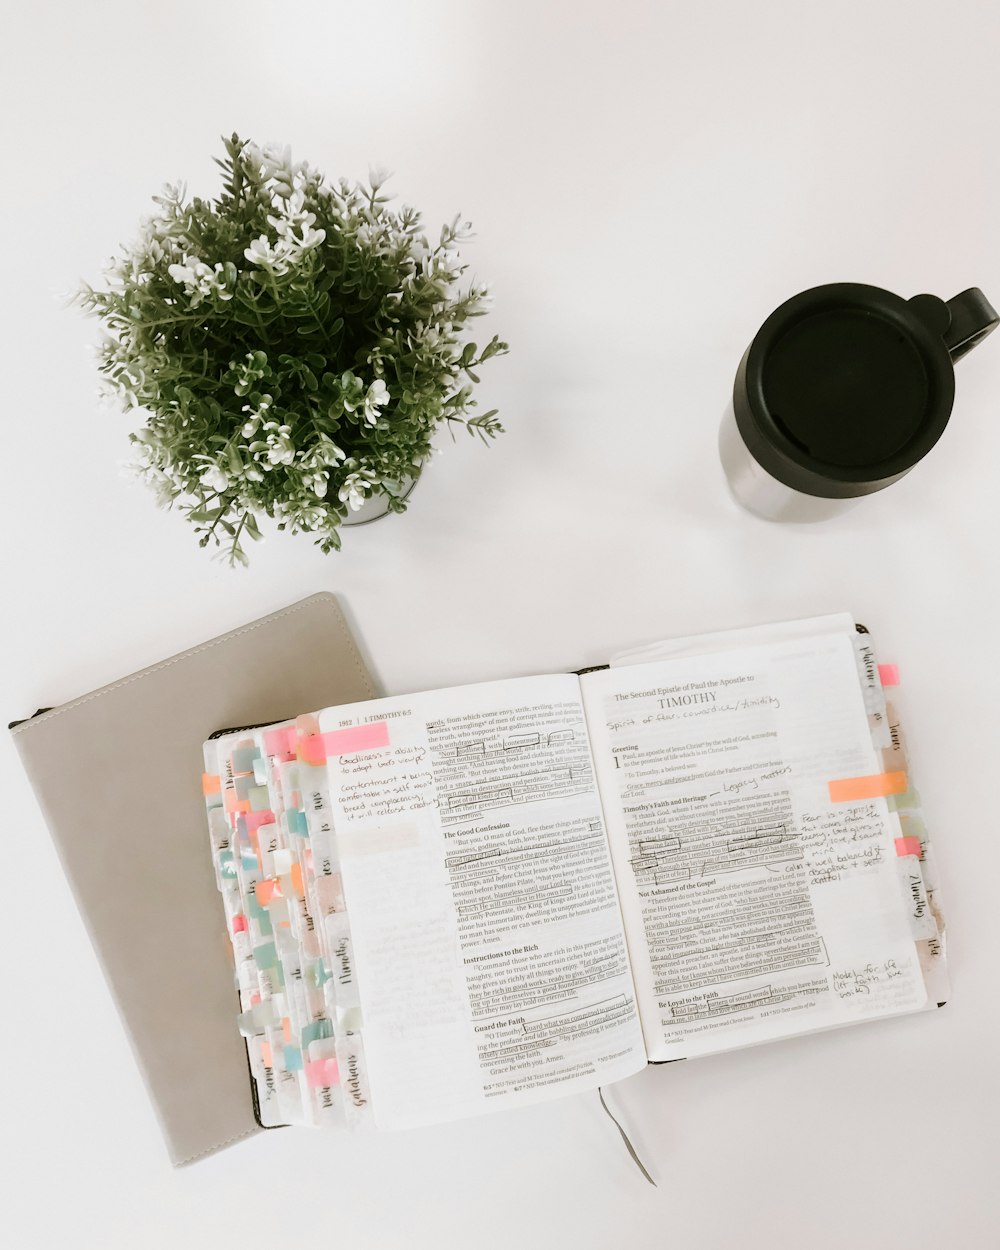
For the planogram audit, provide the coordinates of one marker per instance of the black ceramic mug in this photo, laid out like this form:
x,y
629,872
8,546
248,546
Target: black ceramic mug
x,y
843,389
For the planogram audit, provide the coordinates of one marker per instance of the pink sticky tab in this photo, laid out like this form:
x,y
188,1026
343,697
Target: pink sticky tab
x,y
320,747
888,674
256,819
240,923
908,846
280,741
322,1072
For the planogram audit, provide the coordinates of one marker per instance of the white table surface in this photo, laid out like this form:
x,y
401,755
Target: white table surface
x,y
647,181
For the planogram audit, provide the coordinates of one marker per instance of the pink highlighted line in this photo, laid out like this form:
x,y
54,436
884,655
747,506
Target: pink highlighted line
x,y
318,748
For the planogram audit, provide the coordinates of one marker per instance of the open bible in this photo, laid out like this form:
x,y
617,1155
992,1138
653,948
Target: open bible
x,y
486,896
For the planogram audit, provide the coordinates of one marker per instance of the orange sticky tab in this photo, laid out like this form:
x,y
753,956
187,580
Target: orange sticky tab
x,y
265,1054
297,885
878,786
266,890
234,804
286,1029
908,846
210,784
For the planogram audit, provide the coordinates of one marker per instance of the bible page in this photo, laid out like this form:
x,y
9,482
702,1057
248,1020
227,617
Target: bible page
x,y
759,900
486,936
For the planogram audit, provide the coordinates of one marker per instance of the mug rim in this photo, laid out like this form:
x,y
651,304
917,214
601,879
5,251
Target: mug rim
x,y
768,441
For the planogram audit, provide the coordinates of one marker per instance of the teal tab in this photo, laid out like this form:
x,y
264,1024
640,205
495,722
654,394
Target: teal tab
x,y
316,973
297,822
292,1057
315,1030
248,858
266,956
227,865
243,758
243,786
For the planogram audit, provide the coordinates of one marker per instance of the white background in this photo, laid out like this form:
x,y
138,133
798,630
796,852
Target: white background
x,y
648,181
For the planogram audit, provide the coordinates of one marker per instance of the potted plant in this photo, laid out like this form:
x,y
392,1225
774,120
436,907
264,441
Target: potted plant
x,y
294,347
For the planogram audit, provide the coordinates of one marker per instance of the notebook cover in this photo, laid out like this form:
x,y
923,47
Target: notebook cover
x,y
116,776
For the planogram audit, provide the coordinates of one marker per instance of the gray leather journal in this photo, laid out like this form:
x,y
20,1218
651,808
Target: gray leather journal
x,y
116,775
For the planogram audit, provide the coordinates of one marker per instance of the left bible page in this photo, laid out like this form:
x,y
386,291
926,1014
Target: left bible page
x,y
491,960
450,868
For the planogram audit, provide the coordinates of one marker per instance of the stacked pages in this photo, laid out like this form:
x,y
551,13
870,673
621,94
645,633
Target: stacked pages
x,y
490,895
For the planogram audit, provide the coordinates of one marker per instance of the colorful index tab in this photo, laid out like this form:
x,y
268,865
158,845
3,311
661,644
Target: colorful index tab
x,y
254,820
243,758
266,955
322,1072
297,822
234,804
280,742
266,891
908,846
319,748
888,674
298,885
210,784
315,1030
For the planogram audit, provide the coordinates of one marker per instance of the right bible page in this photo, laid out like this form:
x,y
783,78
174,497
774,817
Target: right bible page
x,y
759,899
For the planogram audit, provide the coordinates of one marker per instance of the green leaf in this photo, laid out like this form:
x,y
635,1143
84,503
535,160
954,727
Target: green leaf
x,y
206,516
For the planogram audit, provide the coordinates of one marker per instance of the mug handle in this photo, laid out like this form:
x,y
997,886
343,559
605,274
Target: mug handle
x,y
973,317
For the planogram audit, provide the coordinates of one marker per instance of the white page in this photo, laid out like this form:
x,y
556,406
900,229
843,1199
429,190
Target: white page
x,y
733,639
491,961
755,906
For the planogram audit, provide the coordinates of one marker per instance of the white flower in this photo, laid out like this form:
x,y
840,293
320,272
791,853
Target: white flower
x,y
200,280
377,176
377,397
256,416
261,253
278,447
353,491
215,479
